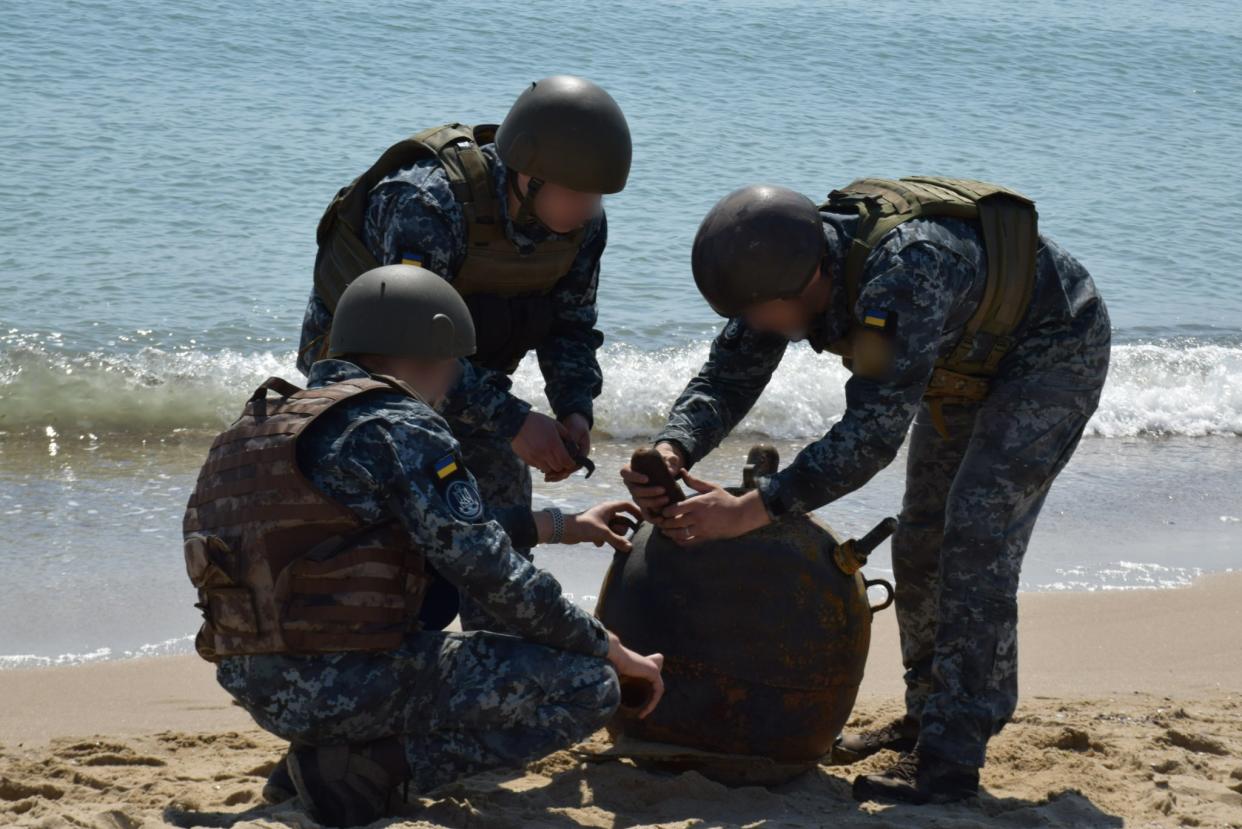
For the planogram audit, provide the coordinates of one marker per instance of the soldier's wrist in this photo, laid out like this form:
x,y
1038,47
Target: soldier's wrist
x,y
755,512
565,415
548,528
772,496
673,446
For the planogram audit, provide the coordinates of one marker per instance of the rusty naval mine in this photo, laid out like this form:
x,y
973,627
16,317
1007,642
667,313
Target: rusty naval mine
x,y
765,638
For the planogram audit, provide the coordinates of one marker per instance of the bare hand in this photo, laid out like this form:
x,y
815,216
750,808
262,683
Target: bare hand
x,y
579,434
635,667
712,514
541,444
651,499
602,524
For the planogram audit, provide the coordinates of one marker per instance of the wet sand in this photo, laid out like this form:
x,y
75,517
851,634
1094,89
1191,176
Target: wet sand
x,y
1131,715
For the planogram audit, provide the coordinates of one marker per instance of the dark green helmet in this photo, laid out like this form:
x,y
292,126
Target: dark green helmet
x,y
568,131
756,244
401,311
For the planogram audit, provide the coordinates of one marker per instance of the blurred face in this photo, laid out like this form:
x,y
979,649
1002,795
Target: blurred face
x,y
791,318
432,379
561,209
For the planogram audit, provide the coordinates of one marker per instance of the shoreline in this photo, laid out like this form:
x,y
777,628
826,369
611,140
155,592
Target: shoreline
x,y
183,646
1131,713
1122,514
1121,641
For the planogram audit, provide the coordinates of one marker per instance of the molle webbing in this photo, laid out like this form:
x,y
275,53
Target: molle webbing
x,y
1009,225
492,264
280,567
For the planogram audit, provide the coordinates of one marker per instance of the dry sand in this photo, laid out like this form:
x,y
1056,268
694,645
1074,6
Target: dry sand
x,y
1131,715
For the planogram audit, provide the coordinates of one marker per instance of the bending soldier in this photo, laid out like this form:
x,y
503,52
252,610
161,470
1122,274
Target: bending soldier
x,y
953,313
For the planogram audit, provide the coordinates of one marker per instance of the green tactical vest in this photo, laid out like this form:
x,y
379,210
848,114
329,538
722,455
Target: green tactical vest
x,y
493,265
1009,224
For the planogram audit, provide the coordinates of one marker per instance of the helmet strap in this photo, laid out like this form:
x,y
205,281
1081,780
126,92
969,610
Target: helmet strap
x,y
526,201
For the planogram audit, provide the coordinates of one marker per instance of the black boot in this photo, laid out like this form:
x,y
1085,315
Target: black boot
x,y
279,785
918,777
899,735
341,785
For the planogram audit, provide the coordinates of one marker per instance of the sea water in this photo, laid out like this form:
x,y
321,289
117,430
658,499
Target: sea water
x,y
163,165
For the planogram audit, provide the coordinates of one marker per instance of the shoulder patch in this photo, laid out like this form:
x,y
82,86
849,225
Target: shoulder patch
x,y
732,331
457,487
412,258
879,319
446,466
464,500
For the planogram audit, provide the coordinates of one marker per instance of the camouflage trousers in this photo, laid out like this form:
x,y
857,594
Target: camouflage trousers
x,y
458,703
505,485
970,505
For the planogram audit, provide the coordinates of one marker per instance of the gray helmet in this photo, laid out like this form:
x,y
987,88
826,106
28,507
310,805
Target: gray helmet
x,y
757,243
570,132
401,311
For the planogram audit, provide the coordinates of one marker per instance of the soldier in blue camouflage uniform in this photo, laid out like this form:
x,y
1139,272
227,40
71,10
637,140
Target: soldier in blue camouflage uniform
x,y
440,705
978,469
418,215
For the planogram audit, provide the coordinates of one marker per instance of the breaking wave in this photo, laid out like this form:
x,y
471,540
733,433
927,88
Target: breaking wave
x,y
1190,388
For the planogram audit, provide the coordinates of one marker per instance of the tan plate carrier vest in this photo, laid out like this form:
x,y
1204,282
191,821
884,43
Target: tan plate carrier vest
x,y
493,264
279,566
1009,225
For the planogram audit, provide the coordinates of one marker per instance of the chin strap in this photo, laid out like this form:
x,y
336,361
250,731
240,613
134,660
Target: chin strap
x,y
526,201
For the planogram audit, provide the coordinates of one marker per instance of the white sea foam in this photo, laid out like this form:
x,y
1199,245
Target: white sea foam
x,y
168,647
1121,575
1189,388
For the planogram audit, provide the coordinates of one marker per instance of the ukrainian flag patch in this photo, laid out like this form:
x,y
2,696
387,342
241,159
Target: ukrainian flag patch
x,y
446,466
876,318
412,258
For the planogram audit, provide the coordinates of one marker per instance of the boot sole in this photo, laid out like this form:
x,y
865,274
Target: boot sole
x,y
865,790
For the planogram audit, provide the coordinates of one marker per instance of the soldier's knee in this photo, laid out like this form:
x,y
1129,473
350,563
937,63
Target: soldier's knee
x,y
922,506
609,694
594,699
917,534
916,550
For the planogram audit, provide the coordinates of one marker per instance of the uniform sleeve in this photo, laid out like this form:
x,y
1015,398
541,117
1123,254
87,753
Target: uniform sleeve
x,y
446,518
518,522
405,222
737,370
915,287
567,359
316,324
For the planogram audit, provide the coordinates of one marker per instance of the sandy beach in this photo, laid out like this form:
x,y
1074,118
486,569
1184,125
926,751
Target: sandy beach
x,y
1131,716
164,170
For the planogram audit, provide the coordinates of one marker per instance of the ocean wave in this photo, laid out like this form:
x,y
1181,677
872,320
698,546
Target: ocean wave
x,y
1120,575
168,647
1189,388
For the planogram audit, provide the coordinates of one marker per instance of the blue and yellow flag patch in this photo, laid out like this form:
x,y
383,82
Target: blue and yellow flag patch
x,y
412,258
876,318
446,466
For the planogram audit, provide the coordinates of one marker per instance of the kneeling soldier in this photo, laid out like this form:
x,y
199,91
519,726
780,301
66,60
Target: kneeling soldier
x,y
329,534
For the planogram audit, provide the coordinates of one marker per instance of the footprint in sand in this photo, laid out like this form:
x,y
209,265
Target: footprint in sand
x,y
1075,739
18,790
105,754
1195,742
